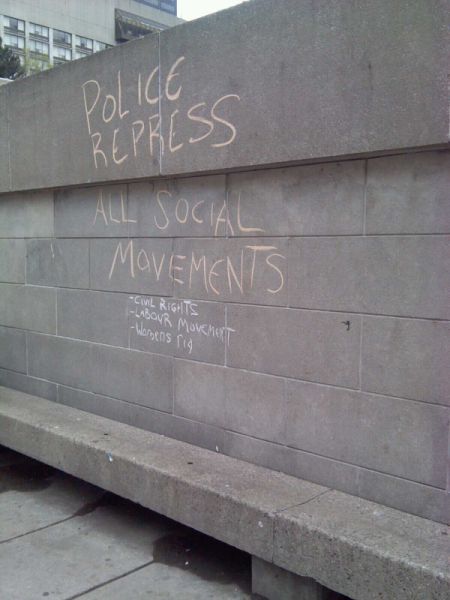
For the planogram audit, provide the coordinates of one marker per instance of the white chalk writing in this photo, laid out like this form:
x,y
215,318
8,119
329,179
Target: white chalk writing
x,y
178,324
131,113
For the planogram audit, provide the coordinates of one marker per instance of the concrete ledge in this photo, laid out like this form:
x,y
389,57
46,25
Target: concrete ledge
x,y
356,547
273,583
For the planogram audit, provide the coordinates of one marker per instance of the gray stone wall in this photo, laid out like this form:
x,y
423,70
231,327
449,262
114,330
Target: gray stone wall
x,y
266,83
236,233
293,317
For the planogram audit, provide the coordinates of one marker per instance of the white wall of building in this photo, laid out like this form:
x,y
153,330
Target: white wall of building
x,y
89,18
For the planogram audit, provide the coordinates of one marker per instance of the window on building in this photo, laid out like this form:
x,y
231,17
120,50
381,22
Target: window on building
x,y
14,24
169,6
84,43
100,46
62,37
14,41
62,53
39,30
36,66
154,3
38,47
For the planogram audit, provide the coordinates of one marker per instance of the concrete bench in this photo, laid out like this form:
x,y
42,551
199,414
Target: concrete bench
x,y
302,536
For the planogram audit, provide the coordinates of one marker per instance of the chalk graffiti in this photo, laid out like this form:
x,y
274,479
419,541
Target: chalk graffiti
x,y
133,119
175,323
214,275
235,266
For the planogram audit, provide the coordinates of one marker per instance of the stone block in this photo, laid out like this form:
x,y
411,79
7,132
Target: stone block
x,y
407,358
370,551
255,405
257,451
182,328
409,193
250,271
185,430
28,307
414,498
398,437
310,345
60,360
137,265
110,408
93,316
225,104
61,263
191,432
326,199
28,215
133,376
248,403
191,207
123,374
13,349
12,260
92,115
409,496
28,385
405,276
100,211
333,473
273,583
319,469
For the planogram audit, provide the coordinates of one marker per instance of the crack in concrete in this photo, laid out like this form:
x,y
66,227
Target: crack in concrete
x,y
16,537
276,512
303,503
86,509
100,585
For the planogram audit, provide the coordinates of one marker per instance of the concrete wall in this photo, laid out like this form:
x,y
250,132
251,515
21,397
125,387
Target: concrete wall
x,y
296,317
262,84
306,331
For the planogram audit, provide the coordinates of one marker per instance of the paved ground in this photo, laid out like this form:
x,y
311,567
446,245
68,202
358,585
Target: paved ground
x,y
62,539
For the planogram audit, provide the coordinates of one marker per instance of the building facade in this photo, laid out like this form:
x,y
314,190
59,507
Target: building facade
x,y
48,32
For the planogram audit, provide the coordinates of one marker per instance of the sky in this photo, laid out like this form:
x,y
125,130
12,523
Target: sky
x,y
193,9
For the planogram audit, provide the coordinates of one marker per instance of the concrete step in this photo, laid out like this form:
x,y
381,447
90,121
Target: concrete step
x,y
355,547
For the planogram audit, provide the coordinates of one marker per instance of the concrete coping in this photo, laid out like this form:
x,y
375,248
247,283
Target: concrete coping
x,y
358,548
